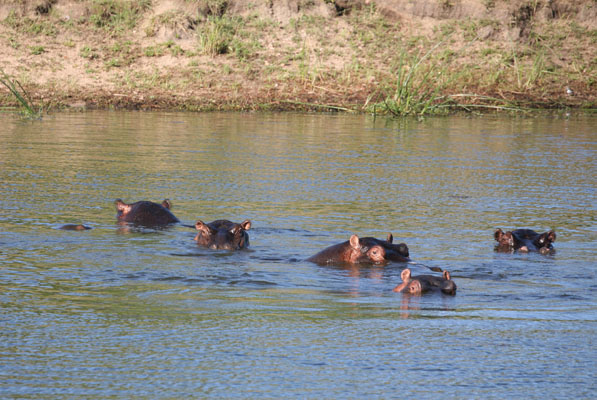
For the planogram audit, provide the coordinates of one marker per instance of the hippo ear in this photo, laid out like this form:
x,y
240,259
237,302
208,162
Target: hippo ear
x,y
405,275
354,242
390,238
498,234
447,275
122,206
245,225
167,204
203,228
548,237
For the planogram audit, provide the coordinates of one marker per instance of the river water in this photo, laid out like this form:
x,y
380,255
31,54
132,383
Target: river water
x,y
146,314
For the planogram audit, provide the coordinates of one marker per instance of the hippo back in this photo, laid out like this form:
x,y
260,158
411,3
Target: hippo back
x,y
145,213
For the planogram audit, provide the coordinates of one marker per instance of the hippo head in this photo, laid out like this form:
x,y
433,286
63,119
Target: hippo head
x,y
447,286
409,285
365,250
414,287
223,234
122,209
395,252
145,213
405,276
505,240
544,241
423,283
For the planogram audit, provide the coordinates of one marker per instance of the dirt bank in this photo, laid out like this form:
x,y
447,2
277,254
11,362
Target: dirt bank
x,y
298,54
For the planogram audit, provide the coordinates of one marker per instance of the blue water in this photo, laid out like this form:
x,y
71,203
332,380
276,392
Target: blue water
x,y
146,314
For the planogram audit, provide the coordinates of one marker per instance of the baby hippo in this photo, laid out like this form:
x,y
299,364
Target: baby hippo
x,y
223,234
145,213
354,251
524,240
423,283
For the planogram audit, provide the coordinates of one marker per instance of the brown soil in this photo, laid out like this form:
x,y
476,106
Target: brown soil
x,y
296,54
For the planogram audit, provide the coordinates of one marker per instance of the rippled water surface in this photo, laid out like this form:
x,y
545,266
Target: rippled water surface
x,y
146,314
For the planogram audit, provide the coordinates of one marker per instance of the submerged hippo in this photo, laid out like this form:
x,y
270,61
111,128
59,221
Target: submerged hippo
x,y
394,252
354,251
424,283
524,240
74,227
362,250
145,213
223,234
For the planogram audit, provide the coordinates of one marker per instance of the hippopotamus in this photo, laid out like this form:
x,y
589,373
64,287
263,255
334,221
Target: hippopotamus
x,y
145,213
354,251
394,252
524,240
223,234
74,227
424,283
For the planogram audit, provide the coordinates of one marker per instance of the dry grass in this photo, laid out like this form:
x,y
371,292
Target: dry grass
x,y
201,55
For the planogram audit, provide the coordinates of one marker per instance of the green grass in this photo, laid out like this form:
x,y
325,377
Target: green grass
x,y
160,49
117,15
27,108
416,90
37,50
421,85
217,34
89,53
154,51
178,21
29,25
113,63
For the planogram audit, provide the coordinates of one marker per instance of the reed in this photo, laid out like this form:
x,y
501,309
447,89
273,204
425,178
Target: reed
x,y
216,35
421,87
27,108
416,91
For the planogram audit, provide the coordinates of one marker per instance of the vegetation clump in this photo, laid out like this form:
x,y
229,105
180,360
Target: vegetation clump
x,y
117,15
27,109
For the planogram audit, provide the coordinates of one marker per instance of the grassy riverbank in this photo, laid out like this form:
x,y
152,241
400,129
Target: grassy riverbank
x,y
391,56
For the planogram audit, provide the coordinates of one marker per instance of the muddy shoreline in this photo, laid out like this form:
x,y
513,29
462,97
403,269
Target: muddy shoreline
x,y
316,55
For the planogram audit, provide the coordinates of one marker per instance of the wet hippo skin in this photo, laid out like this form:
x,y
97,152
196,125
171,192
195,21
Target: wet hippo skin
x,y
354,251
424,283
524,240
145,213
223,234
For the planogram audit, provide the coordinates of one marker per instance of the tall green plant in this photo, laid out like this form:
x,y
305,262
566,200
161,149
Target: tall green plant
x,y
23,98
216,35
415,91
419,87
